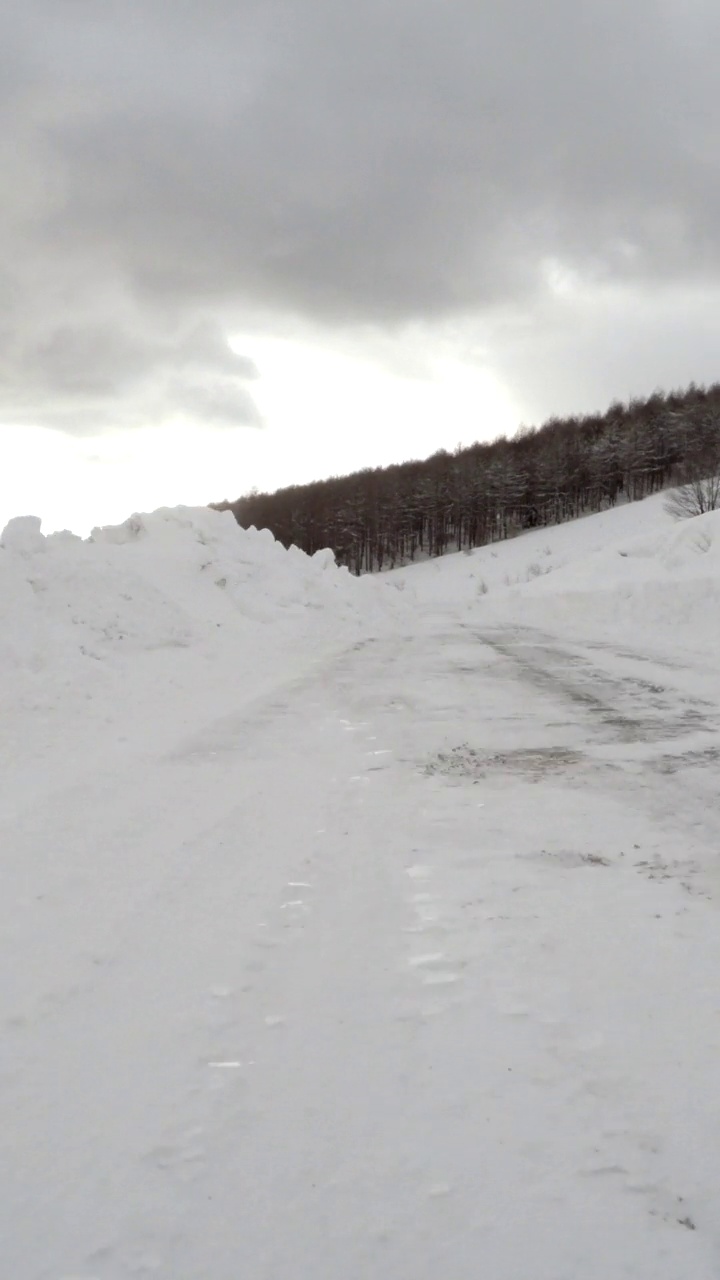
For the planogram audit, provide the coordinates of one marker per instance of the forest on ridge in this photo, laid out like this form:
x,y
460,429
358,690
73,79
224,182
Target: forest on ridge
x,y
381,517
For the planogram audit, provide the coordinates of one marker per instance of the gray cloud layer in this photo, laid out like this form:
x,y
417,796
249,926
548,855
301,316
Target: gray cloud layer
x,y
169,168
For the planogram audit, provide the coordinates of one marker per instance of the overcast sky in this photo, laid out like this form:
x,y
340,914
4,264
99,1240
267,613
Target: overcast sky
x,y
253,242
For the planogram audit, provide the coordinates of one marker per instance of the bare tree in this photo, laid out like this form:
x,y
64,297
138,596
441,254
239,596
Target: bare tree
x,y
699,493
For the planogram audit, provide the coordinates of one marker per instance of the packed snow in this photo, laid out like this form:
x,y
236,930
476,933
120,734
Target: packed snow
x,y
360,928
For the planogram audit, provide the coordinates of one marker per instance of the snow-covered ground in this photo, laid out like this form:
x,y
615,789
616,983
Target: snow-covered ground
x,y
631,570
352,931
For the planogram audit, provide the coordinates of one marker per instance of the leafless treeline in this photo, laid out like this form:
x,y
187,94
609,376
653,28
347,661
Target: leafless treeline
x,y
375,519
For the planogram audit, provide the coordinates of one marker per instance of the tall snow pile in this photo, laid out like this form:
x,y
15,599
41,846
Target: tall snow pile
x,y
171,592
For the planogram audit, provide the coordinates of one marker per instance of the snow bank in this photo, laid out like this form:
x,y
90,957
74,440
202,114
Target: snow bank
x,y
630,571
178,601
651,584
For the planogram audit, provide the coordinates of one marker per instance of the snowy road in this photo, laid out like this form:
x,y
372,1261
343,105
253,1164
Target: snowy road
x,y
408,970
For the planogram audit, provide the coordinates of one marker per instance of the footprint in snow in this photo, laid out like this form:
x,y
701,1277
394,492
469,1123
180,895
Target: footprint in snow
x,y
418,871
432,959
440,979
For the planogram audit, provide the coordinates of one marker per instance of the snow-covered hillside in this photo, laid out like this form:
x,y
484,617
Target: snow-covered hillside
x,y
360,928
631,570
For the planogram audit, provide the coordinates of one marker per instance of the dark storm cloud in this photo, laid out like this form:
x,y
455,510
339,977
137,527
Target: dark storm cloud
x,y
377,163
